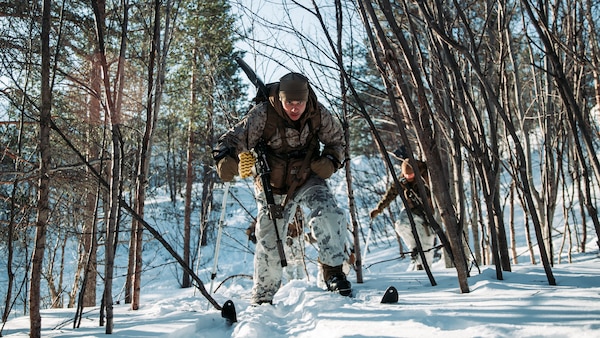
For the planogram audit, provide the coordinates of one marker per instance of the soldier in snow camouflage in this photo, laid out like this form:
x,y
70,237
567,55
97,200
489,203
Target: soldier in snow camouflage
x,y
293,124
416,208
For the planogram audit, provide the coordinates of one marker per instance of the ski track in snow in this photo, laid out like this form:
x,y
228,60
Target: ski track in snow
x,y
492,308
522,304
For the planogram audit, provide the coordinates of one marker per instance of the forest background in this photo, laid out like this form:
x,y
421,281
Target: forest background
x,y
103,102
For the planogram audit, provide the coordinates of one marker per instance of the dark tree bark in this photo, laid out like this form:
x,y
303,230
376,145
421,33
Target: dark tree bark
x,y
189,180
44,180
98,7
419,113
153,94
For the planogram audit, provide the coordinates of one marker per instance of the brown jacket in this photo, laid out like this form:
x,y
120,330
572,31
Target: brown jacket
x,y
286,140
410,191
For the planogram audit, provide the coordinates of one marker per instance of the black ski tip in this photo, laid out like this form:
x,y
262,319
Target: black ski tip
x,y
345,292
228,312
390,296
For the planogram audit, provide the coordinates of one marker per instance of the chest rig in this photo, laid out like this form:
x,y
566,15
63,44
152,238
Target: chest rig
x,y
289,160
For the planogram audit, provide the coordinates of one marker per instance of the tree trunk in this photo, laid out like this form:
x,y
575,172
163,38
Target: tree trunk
x,y
91,197
43,185
155,83
474,220
189,181
115,174
594,49
10,275
189,176
421,118
89,271
348,168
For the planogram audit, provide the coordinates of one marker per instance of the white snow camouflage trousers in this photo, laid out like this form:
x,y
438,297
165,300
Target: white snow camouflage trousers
x,y
294,254
426,235
324,217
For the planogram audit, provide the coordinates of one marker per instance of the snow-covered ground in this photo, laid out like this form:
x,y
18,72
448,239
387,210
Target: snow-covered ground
x,y
523,304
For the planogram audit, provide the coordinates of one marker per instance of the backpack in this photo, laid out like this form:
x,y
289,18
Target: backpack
x,y
264,97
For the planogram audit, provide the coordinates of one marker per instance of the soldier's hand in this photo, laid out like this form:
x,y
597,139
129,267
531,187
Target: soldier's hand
x,y
374,213
251,234
323,167
227,168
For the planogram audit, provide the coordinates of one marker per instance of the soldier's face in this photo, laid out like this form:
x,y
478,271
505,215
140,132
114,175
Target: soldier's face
x,y
294,109
410,177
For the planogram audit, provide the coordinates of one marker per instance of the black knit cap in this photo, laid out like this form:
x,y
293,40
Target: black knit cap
x,y
293,87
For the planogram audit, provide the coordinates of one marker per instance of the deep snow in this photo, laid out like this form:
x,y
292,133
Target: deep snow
x,y
523,304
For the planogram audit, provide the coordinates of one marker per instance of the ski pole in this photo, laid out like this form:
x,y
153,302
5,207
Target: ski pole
x,y
367,241
203,223
219,233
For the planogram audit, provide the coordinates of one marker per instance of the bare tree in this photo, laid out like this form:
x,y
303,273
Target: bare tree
x,y
343,89
112,107
154,87
93,192
44,181
420,114
189,178
575,118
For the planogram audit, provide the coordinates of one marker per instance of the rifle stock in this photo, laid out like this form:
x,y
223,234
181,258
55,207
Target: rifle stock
x,y
256,81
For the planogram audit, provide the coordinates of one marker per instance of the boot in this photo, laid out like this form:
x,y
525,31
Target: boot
x,y
335,279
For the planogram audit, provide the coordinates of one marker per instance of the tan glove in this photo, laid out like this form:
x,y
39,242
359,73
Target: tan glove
x,y
227,168
323,167
374,213
251,232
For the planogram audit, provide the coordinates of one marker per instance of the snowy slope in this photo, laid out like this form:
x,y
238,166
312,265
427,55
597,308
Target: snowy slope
x,y
520,305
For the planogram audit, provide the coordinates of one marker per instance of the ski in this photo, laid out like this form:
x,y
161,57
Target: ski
x,y
228,312
390,296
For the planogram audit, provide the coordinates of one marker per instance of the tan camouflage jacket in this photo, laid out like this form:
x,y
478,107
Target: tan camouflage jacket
x,y
415,204
283,136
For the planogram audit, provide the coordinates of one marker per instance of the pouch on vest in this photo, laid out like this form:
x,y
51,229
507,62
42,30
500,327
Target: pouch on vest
x,y
283,173
293,172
